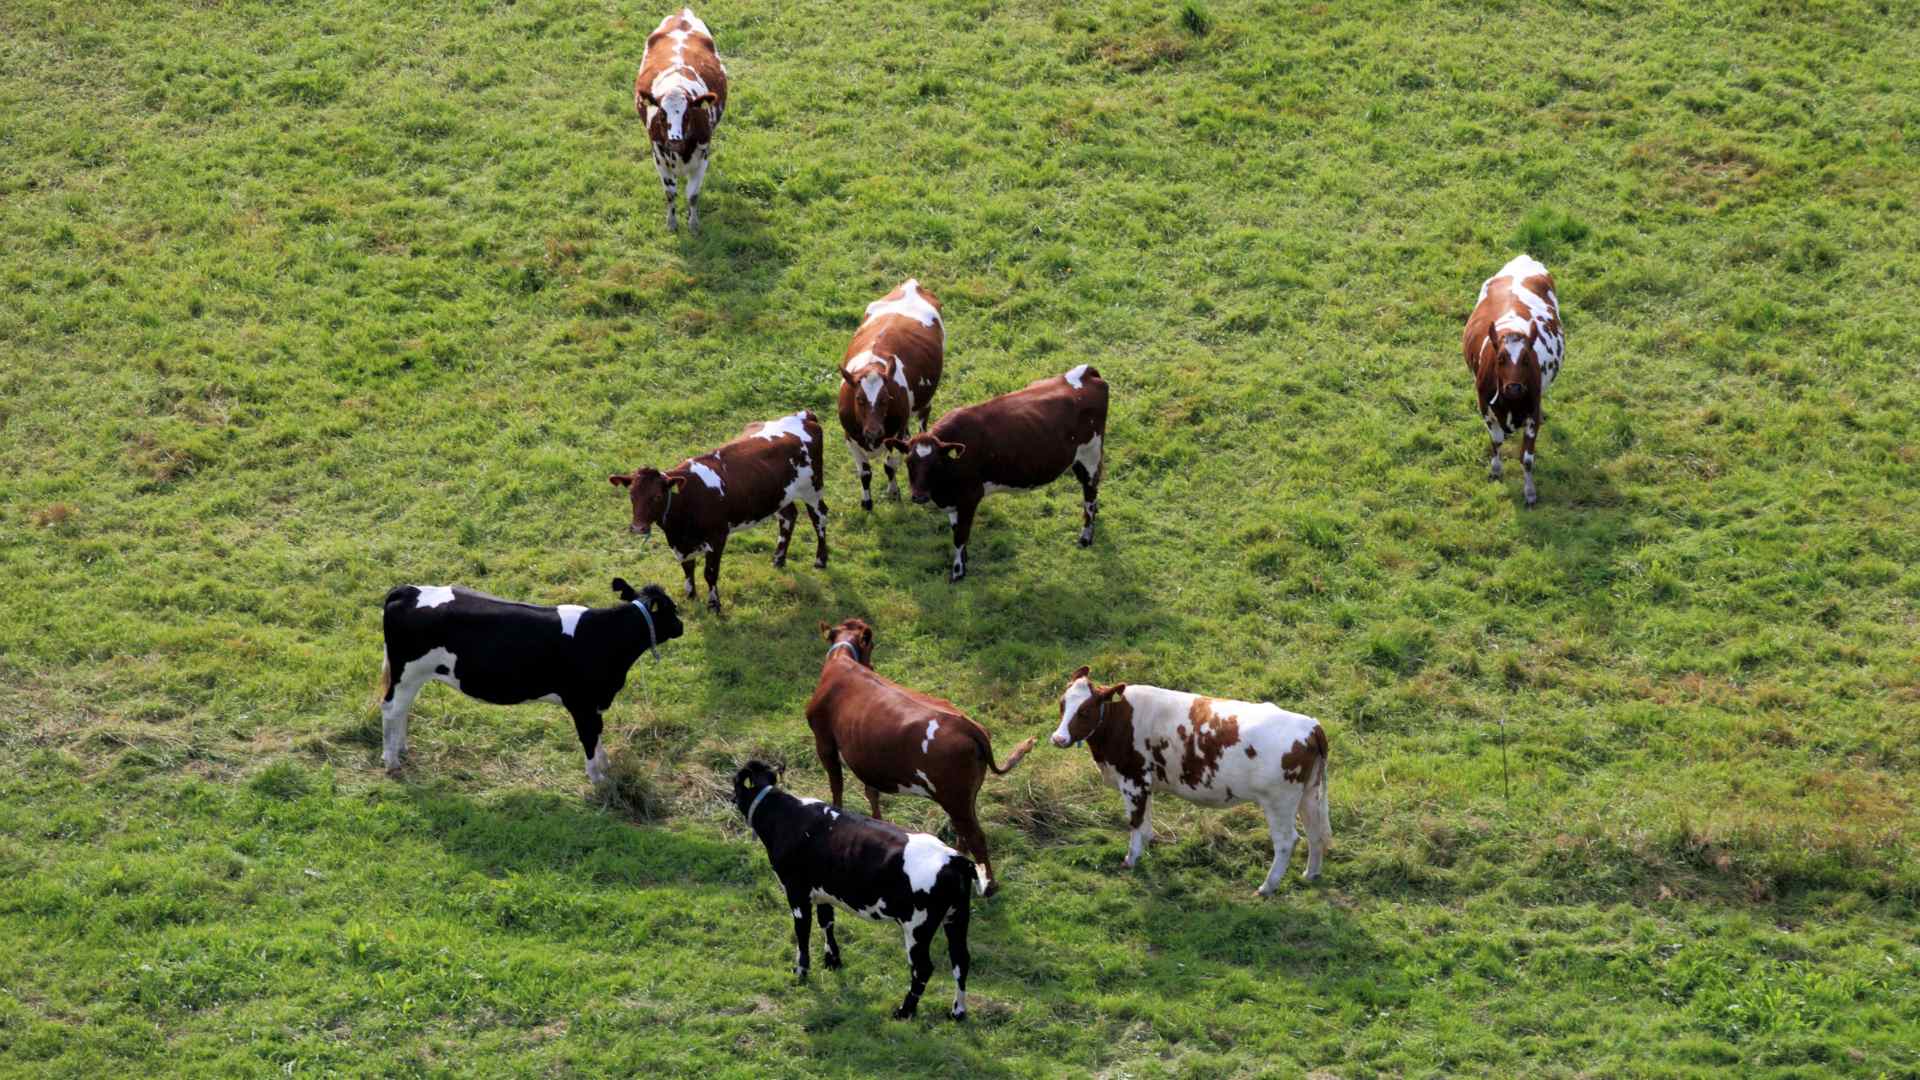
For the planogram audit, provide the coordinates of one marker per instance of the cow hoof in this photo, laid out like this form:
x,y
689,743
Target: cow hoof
x,y
1086,539
713,606
955,575
867,505
960,1016
833,961
800,973
779,561
904,1012
819,564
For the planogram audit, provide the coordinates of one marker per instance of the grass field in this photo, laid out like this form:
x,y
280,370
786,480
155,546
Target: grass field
x,y
298,302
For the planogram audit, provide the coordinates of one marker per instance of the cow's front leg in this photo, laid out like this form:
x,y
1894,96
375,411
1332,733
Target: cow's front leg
x,y
1496,432
713,576
788,515
1140,819
1090,501
961,518
696,178
864,466
957,952
393,717
892,465
588,724
802,931
817,517
1280,826
919,962
833,946
828,752
667,184
873,802
686,567
1526,458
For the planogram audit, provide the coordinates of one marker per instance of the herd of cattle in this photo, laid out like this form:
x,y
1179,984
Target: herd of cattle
x,y
897,740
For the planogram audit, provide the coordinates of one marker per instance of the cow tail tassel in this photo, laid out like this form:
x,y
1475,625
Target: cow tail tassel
x,y
385,682
1018,753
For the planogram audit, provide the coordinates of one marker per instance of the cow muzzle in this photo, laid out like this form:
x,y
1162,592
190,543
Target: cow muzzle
x,y
641,531
1061,741
1513,391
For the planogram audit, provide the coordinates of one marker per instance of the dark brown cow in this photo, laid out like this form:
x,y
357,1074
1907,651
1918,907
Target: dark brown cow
x,y
681,92
900,741
1015,442
889,374
769,471
1513,345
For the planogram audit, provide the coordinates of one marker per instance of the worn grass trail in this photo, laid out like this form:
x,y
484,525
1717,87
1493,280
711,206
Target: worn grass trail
x,y
296,304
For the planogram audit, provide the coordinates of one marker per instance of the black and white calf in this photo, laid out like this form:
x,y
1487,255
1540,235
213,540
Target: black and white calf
x,y
506,652
826,856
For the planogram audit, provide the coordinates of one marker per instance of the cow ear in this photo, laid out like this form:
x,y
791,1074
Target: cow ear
x,y
953,450
894,444
825,630
1113,691
642,101
1079,673
747,782
846,376
675,483
623,590
707,98
620,480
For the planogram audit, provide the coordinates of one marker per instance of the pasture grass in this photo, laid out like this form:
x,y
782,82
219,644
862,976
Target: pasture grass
x,y
303,301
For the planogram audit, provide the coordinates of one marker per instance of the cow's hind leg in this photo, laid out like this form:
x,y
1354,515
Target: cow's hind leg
x,y
788,515
873,802
686,567
919,934
803,930
1140,819
833,945
1280,814
817,517
966,828
829,754
1313,807
393,715
588,724
892,465
713,575
1526,459
962,519
957,952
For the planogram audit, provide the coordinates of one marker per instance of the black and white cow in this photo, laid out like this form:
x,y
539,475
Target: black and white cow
x,y
873,868
506,652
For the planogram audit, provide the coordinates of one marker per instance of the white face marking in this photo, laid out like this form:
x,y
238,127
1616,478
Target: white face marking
x,y
912,305
570,617
434,595
923,858
871,386
933,728
1074,378
794,425
707,476
862,359
922,450
1077,695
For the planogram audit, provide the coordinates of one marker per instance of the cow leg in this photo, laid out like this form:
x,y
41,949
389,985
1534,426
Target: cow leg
x,y
919,961
833,946
667,183
587,724
962,519
788,515
864,466
696,179
713,575
393,717
924,413
1090,500
802,930
892,464
957,952
817,517
1498,433
966,828
686,567
873,802
1526,458
1140,818
1280,813
1319,829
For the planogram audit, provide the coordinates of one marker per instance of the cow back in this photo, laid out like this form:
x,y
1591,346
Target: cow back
x,y
1030,436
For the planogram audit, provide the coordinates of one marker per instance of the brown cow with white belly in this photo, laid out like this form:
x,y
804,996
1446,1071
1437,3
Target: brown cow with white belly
x,y
1209,751
888,377
771,470
899,741
1015,442
681,92
1513,345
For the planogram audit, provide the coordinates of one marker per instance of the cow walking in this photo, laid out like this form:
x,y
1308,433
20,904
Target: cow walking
x,y
825,856
1015,442
888,376
1210,751
771,470
1513,345
680,93
899,741
505,652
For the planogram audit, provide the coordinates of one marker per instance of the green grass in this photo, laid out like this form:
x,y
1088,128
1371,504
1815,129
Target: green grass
x,y
297,304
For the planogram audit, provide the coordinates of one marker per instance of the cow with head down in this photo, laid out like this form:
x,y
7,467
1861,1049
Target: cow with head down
x,y
888,376
681,92
1513,345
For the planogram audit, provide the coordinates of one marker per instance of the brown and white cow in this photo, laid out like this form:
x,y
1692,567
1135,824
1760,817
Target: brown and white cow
x,y
1513,345
888,377
680,92
770,470
899,741
1209,751
1015,442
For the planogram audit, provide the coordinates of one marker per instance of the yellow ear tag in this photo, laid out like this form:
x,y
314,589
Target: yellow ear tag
x,y
746,783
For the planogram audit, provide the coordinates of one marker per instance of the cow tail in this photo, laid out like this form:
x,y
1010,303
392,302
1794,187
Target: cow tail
x,y
385,682
986,754
1319,824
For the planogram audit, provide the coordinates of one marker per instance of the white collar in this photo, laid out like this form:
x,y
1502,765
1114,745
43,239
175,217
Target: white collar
x,y
653,639
847,645
757,800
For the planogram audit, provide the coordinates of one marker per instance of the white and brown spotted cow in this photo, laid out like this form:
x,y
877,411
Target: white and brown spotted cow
x,y
888,377
680,93
771,470
1015,442
1513,345
1210,751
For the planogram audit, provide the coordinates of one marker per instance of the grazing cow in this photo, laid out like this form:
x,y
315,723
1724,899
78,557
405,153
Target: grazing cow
x,y
770,470
1210,751
899,741
680,92
828,856
1513,344
1014,442
889,374
506,652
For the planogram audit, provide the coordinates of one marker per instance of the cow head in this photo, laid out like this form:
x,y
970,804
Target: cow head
x,y
856,633
678,120
1516,371
652,492
932,464
878,389
662,615
1083,707
753,778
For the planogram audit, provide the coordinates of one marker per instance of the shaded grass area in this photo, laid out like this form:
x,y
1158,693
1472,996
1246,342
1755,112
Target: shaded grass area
x,y
300,304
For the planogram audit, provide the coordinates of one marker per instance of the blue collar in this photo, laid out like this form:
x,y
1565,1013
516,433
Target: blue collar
x,y
653,639
847,645
757,800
